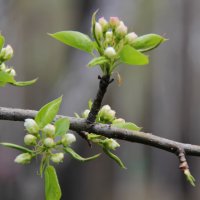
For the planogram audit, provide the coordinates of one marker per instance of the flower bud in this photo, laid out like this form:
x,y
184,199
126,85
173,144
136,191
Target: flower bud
x,y
105,109
121,30
98,30
3,67
119,120
110,52
114,22
49,142
6,53
111,144
23,158
49,130
104,24
31,126
11,71
30,140
68,139
109,36
130,38
85,113
57,157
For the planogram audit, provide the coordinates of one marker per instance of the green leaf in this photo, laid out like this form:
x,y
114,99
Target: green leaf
x,y
52,187
75,39
2,84
2,40
98,61
127,125
147,42
15,146
48,112
115,158
131,56
77,156
6,78
24,83
62,126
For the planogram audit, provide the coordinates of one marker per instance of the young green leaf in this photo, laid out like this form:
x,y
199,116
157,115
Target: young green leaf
x,y
15,146
1,42
77,156
62,126
52,187
127,125
115,158
48,112
24,83
131,56
147,42
75,39
98,61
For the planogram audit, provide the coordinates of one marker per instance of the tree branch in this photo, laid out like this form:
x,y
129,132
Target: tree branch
x,y
106,130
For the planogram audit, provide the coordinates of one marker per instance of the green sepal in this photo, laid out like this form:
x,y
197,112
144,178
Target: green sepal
x,y
52,187
78,157
75,39
48,112
114,157
98,61
131,56
62,126
17,147
148,42
127,125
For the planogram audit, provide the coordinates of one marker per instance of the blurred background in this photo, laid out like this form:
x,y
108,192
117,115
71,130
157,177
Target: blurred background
x,y
162,97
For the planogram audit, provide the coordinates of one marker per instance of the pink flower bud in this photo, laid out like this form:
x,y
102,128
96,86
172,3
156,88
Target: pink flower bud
x,y
114,21
121,30
131,37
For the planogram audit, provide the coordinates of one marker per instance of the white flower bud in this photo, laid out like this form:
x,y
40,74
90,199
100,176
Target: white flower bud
x,y
85,113
30,140
110,52
31,126
105,108
103,22
119,120
109,36
111,144
6,53
57,157
11,71
49,130
3,67
68,139
121,30
131,37
98,30
23,158
114,21
49,142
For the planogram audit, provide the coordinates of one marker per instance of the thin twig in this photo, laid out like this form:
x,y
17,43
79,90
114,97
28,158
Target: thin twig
x,y
103,85
78,125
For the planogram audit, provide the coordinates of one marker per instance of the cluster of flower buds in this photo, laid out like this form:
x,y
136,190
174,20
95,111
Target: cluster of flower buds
x,y
9,70
112,35
44,140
